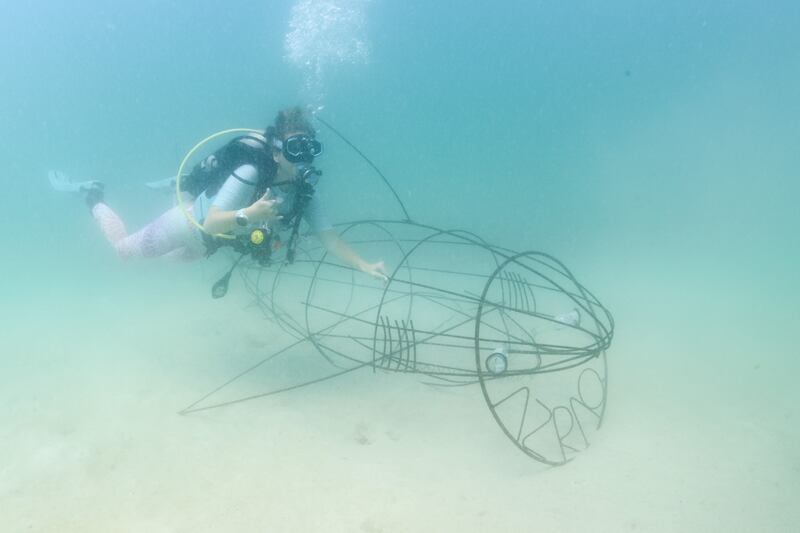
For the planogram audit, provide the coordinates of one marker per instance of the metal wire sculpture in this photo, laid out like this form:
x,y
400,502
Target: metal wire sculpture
x,y
459,312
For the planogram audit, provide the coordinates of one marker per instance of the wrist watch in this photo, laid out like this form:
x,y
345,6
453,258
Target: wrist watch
x,y
241,218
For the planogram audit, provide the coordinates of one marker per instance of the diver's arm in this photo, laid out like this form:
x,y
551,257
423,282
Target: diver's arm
x,y
221,221
234,194
337,246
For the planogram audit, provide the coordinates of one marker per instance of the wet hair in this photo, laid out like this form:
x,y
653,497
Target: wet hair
x,y
290,120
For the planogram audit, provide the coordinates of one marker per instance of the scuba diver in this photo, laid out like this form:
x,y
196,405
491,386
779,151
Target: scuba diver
x,y
243,195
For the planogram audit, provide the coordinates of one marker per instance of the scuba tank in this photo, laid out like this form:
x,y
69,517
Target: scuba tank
x,y
209,174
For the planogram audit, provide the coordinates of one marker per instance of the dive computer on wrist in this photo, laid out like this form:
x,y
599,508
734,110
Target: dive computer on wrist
x,y
241,218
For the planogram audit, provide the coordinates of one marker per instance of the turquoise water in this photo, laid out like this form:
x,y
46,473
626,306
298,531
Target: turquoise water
x,y
651,146
613,123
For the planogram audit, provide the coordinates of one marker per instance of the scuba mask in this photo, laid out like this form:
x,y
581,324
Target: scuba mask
x,y
299,148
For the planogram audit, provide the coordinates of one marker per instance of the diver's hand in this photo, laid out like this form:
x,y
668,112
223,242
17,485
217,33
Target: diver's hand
x,y
376,270
264,209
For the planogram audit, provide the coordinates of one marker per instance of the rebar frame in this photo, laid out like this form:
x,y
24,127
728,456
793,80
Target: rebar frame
x,y
452,300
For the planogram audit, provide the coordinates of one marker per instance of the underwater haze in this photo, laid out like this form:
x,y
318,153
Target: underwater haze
x,y
650,146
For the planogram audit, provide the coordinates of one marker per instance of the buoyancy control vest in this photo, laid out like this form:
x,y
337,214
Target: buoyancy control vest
x,y
209,174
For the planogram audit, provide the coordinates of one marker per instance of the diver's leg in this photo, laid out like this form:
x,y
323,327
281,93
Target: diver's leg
x,y
170,231
110,224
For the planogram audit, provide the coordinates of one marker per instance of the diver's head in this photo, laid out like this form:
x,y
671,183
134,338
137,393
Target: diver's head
x,y
294,145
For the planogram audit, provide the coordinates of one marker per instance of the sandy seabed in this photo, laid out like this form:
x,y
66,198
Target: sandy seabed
x,y
701,432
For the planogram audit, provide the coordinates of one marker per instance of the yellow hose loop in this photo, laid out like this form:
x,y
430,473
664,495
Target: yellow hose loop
x,y
178,194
